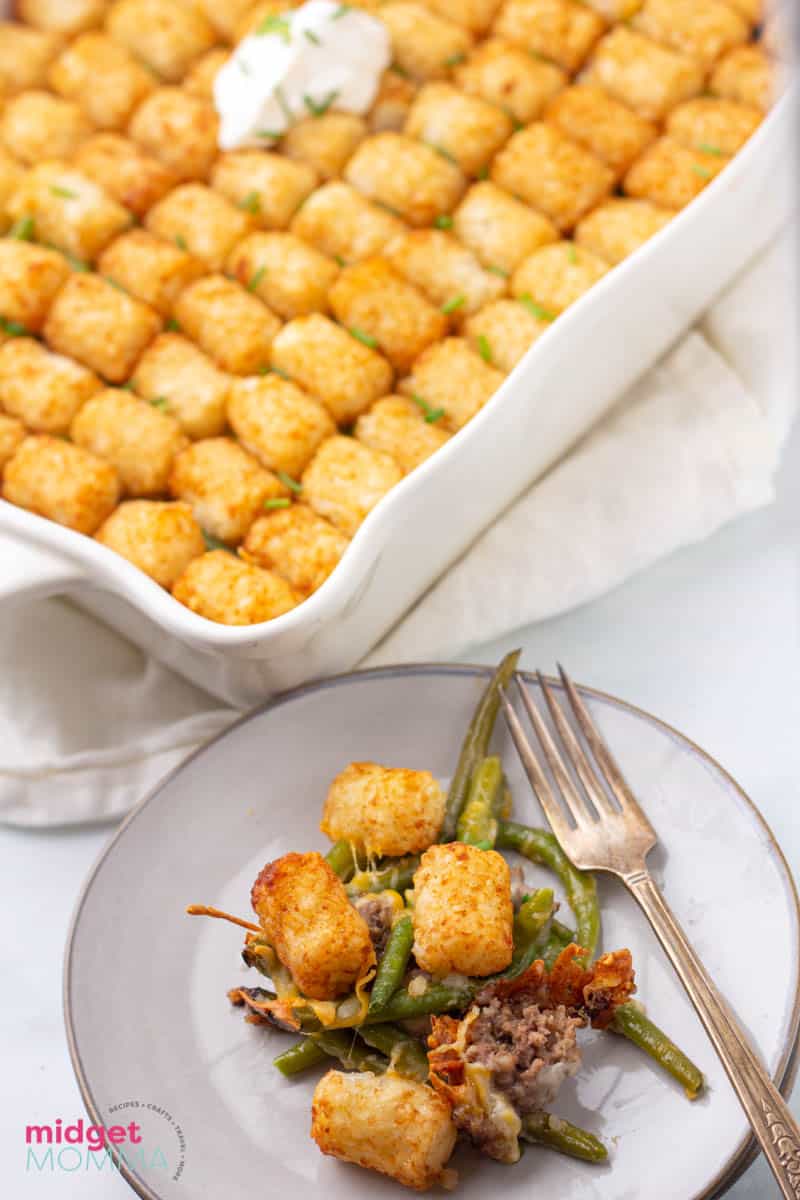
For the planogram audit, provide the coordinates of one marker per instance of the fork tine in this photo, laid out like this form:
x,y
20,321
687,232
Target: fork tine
x,y
572,797
538,780
583,768
603,756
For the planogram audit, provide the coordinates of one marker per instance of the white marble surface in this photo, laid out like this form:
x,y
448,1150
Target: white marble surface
x,y
708,640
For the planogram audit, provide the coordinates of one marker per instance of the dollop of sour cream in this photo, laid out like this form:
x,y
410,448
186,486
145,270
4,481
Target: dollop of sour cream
x,y
299,64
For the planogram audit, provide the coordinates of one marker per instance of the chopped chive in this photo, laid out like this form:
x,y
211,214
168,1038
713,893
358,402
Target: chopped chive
x,y
180,241
286,109
398,70
274,135
129,386
277,25
251,202
277,503
273,370
572,253
498,271
541,314
516,123
172,326
361,336
256,280
444,153
65,193
160,402
319,108
708,148
214,543
444,221
264,369
243,66
455,59
312,37
114,284
453,303
13,328
430,414
703,172
77,264
290,483
340,12
23,229
483,173
341,261
484,348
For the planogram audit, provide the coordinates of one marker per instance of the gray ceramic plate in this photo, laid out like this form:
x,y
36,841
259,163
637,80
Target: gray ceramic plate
x,y
153,1039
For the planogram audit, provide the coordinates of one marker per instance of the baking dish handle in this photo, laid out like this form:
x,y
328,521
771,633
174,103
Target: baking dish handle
x,y
28,571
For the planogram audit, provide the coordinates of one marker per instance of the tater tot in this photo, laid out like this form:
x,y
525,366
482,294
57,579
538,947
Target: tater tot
x,y
396,1126
152,270
234,327
556,276
66,483
100,325
30,276
312,926
324,143
36,125
498,228
200,221
510,77
330,363
278,423
450,375
465,128
268,187
62,16
398,427
448,273
296,543
138,439
503,332
672,175
68,209
475,15
560,30
167,35
552,173
713,126
649,78
222,588
179,129
11,175
748,75
701,31
391,105
346,479
200,79
44,390
12,434
462,913
133,178
175,375
226,17
159,537
618,227
424,45
371,298
340,222
291,277
225,486
411,179
612,132
102,78
383,810
25,56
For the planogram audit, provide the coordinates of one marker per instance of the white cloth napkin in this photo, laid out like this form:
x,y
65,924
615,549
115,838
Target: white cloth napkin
x,y
88,724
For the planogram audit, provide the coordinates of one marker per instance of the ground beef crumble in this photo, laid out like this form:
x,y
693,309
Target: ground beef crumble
x,y
377,911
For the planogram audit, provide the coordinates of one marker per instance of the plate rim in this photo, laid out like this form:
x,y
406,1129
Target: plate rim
x,y
787,1069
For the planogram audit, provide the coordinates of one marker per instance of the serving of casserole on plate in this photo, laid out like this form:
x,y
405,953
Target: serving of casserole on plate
x,y
218,364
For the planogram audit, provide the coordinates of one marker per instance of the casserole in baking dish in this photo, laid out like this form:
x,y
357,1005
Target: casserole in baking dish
x,y
263,377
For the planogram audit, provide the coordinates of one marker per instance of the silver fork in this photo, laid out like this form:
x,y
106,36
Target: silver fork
x,y
605,837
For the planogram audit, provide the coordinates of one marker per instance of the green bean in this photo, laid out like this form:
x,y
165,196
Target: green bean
x,y
396,875
530,924
437,998
392,966
299,1057
341,859
406,1054
344,1045
504,803
563,932
557,1134
476,744
476,825
541,847
632,1023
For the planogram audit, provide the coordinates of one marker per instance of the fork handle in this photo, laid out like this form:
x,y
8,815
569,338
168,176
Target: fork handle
x,y
773,1124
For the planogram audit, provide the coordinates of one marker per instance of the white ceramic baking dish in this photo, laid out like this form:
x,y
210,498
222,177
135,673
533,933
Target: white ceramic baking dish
x,y
564,384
